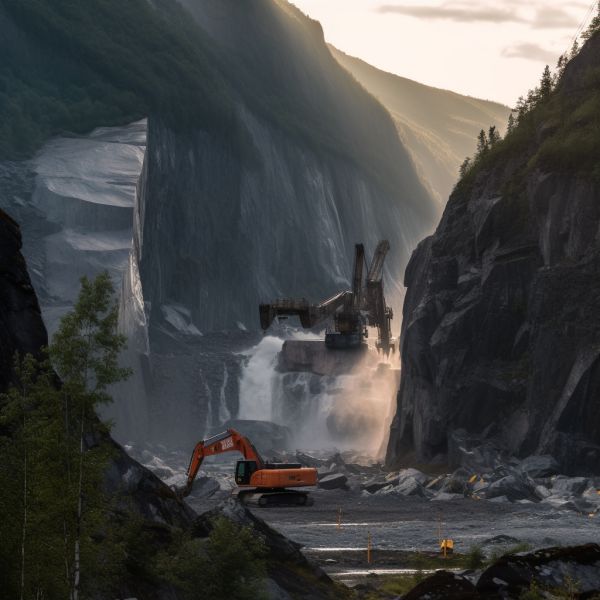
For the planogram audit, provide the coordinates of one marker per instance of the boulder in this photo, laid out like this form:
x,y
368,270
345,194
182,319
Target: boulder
x,y
552,568
569,486
335,481
539,466
415,474
443,586
205,487
306,460
512,487
410,486
374,485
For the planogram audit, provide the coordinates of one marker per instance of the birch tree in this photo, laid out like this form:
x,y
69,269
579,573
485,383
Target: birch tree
x,y
85,354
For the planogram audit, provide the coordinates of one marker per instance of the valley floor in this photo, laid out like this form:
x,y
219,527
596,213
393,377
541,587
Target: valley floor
x,y
398,525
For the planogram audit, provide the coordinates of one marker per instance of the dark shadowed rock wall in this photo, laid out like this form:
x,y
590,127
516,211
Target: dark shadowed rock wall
x,y
21,327
501,331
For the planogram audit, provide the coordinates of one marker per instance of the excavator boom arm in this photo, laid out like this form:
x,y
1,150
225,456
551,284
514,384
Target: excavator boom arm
x,y
228,441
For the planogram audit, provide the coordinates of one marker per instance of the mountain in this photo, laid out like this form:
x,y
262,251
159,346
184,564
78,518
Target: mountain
x,y
321,167
261,164
438,127
501,329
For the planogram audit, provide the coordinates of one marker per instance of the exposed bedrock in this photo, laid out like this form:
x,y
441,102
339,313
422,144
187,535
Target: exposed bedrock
x,y
501,329
274,207
21,327
75,203
281,223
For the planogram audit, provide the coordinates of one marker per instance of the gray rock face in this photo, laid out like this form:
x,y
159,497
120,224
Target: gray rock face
x,y
21,327
501,325
281,217
539,466
552,568
82,195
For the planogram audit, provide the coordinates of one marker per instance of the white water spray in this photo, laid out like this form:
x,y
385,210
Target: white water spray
x,y
348,411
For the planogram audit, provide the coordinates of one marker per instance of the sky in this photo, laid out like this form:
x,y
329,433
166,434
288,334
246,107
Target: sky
x,y
491,49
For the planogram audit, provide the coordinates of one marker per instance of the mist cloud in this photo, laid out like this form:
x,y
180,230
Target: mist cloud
x,y
543,17
529,51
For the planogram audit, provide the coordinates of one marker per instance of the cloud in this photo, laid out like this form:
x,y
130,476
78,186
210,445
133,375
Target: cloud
x,y
470,11
553,18
463,14
529,51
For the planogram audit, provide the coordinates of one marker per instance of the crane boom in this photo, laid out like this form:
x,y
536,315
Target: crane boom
x,y
351,309
357,275
376,270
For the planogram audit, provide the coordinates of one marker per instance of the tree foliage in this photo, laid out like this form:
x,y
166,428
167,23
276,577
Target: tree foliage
x,y
51,478
61,534
73,66
576,145
229,564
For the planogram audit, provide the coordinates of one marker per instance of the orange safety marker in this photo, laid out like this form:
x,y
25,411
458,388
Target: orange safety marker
x,y
369,547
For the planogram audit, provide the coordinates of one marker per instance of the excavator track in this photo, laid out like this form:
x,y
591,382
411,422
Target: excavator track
x,y
275,498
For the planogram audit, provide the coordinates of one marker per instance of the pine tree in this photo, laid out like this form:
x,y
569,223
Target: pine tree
x,y
30,411
533,97
574,50
482,144
510,127
546,85
493,136
594,25
560,67
521,109
464,167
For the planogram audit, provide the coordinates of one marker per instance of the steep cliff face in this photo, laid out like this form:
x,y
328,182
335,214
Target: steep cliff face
x,y
21,327
318,168
501,330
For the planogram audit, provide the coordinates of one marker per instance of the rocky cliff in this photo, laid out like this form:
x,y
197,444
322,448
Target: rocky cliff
x,y
21,327
223,222
501,330
318,167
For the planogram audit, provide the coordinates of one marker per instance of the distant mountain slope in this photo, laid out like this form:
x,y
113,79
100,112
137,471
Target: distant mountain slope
x,y
438,127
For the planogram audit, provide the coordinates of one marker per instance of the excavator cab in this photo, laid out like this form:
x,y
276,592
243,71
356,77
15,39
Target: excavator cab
x,y
244,470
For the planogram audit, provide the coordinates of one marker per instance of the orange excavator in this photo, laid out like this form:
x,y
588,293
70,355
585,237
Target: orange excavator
x,y
266,482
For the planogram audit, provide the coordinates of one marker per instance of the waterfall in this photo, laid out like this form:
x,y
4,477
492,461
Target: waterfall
x,y
352,410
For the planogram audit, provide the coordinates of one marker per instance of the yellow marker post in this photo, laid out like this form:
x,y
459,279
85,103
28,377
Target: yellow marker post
x,y
369,547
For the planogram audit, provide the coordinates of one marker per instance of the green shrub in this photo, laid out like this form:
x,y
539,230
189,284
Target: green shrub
x,y
475,557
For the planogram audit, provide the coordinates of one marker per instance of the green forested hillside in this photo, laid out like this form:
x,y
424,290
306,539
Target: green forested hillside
x,y
72,66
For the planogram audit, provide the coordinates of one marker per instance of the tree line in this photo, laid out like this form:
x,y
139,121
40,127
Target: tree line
x,y
536,97
63,533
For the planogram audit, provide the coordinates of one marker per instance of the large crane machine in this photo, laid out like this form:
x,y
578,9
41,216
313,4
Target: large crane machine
x,y
351,310
263,483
